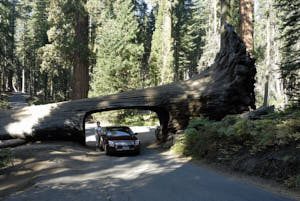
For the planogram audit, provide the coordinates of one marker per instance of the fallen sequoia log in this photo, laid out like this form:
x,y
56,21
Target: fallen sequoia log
x,y
226,87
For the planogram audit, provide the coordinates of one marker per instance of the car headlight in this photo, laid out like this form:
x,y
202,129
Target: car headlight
x,y
137,142
111,143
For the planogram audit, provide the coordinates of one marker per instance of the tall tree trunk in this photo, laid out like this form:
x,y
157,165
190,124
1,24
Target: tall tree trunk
x,y
10,79
80,78
167,71
268,57
281,96
266,95
45,86
246,23
4,78
23,80
12,47
31,78
23,67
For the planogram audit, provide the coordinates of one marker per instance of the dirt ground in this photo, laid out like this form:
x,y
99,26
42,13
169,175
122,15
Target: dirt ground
x,y
38,159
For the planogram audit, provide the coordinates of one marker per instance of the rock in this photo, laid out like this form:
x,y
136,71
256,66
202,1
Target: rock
x,y
226,87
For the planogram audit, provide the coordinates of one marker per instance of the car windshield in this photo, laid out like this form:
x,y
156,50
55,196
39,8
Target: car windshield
x,y
118,132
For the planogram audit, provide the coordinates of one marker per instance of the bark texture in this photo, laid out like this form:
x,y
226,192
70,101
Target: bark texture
x,y
167,73
226,87
80,79
246,23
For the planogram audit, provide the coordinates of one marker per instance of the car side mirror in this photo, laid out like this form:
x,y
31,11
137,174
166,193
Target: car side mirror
x,y
135,133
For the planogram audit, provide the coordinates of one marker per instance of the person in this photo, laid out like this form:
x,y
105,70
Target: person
x,y
98,133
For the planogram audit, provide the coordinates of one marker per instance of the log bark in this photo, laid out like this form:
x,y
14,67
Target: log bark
x,y
226,87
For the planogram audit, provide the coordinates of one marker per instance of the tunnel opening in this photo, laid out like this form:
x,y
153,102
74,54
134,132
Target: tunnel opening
x,y
150,123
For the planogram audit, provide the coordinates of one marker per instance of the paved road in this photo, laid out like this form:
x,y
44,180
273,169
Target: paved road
x,y
151,176
17,101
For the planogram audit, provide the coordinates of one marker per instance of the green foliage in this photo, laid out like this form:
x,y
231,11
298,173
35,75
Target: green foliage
x,y
199,140
290,36
203,137
210,23
293,182
6,157
119,53
140,120
235,14
8,60
156,50
161,70
4,105
266,26
128,117
188,32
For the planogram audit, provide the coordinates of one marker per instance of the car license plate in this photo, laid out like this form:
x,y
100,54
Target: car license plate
x,y
125,148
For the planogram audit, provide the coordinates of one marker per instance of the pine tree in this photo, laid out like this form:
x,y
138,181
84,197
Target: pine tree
x,y
155,60
211,23
161,58
24,46
266,53
7,34
4,38
119,55
290,51
146,26
39,27
187,33
69,40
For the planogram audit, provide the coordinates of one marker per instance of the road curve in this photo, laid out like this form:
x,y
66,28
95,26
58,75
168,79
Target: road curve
x,y
151,176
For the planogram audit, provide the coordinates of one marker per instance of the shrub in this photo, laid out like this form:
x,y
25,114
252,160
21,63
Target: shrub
x,y
199,140
6,157
293,182
204,138
4,105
